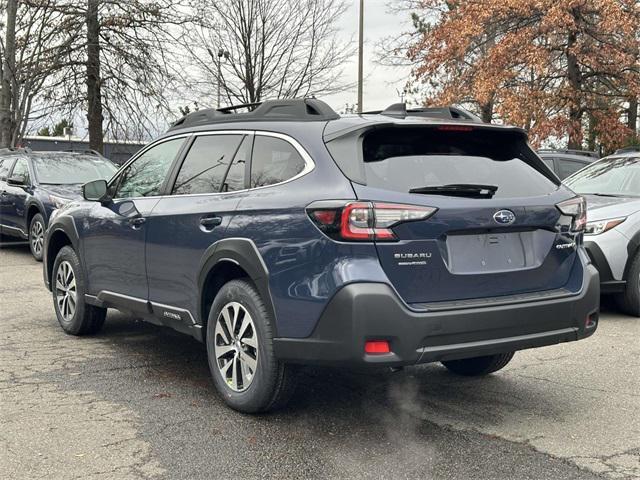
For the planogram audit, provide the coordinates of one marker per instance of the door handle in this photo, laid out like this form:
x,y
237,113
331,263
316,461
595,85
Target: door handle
x,y
209,223
137,222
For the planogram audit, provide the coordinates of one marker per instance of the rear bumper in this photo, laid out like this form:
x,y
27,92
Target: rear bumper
x,y
373,311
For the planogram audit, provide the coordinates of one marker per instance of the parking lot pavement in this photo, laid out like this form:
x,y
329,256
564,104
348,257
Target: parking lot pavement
x,y
136,402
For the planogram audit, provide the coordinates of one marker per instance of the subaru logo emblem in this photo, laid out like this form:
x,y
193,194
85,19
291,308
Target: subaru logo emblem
x,y
504,217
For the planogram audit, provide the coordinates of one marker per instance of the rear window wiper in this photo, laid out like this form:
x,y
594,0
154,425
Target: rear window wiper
x,y
458,190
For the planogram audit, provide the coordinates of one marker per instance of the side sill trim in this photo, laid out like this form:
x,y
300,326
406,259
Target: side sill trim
x,y
110,299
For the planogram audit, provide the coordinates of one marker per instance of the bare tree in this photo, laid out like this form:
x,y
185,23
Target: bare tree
x,y
256,49
7,71
117,70
41,39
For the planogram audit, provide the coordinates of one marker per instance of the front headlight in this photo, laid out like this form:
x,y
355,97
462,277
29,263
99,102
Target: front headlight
x,y
58,202
601,226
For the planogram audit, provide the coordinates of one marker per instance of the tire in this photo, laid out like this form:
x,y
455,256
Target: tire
x,y
271,383
478,366
79,318
36,236
629,301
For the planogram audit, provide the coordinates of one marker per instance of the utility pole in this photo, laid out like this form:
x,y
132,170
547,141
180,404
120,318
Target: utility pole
x,y
360,55
221,54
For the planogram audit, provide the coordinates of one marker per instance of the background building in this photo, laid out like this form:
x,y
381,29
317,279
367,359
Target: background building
x,y
117,152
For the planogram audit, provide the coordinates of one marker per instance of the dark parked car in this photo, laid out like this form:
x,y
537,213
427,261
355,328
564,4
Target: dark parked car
x,y
290,235
565,163
33,184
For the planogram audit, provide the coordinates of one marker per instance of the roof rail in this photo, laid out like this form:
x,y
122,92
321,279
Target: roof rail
x,y
91,151
400,110
84,151
570,151
15,150
298,109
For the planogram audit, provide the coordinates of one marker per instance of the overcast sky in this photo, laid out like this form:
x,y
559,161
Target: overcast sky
x,y
381,83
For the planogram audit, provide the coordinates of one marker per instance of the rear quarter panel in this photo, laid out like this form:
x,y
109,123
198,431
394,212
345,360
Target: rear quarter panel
x,y
305,267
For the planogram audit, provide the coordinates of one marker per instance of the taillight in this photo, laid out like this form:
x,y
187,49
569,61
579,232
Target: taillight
x,y
364,221
576,208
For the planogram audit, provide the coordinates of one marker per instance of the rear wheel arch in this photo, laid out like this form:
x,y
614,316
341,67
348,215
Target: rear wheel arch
x,y
227,260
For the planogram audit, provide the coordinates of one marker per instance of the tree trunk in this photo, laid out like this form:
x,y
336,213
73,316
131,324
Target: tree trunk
x,y
8,70
632,119
486,112
591,139
94,95
575,103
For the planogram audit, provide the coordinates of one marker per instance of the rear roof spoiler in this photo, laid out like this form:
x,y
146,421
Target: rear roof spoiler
x,y
400,110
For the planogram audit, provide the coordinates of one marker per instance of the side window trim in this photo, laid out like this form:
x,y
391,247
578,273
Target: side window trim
x,y
173,172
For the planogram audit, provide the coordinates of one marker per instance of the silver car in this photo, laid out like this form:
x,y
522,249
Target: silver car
x,y
612,235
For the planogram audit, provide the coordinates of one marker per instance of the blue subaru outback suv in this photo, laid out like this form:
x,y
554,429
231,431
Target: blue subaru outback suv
x,y
289,235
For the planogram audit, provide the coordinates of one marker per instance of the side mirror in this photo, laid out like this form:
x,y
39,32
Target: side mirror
x,y
17,181
95,191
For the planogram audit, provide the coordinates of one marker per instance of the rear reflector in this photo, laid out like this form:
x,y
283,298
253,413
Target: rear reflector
x,y
376,347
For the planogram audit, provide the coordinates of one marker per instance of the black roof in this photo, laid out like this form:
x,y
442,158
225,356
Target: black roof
x,y
300,109
309,110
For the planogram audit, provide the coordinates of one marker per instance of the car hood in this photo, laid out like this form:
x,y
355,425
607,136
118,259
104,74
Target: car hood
x,y
602,208
72,192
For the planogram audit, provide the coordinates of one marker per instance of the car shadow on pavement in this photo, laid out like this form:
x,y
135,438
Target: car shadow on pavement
x,y
180,362
339,423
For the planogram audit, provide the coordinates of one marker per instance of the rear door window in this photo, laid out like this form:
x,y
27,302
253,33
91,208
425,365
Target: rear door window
x,y
274,161
206,165
403,159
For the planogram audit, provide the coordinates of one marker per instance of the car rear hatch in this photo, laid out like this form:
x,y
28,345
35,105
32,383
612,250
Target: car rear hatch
x,y
496,229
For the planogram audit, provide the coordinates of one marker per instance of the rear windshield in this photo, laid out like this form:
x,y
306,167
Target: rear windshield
x,y
402,159
63,169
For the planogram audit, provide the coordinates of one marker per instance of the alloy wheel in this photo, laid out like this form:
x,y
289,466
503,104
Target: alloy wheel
x,y
236,346
66,294
37,237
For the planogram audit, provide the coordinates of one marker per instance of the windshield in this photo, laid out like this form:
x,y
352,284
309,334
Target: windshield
x,y
459,163
611,176
72,169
